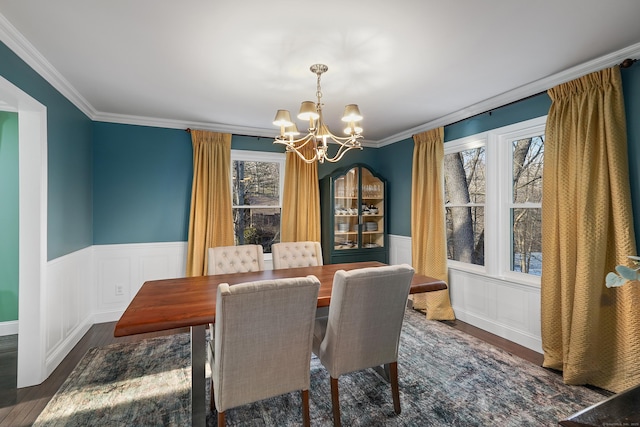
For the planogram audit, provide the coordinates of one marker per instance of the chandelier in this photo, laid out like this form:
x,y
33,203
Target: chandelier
x,y
318,133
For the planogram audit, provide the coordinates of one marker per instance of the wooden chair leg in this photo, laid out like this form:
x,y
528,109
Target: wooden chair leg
x,y
395,391
335,402
306,416
221,420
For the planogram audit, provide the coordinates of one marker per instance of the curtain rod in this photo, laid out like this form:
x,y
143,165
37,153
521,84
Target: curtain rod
x,y
627,63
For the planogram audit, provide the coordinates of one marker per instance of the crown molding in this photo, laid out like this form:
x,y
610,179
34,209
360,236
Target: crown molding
x,y
180,124
177,124
519,93
28,53
10,36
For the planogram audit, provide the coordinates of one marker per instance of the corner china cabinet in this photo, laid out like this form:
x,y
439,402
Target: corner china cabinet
x,y
354,224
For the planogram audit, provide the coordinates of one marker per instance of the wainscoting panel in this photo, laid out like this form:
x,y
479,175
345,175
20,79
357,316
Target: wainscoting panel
x,y
507,309
123,269
399,250
68,304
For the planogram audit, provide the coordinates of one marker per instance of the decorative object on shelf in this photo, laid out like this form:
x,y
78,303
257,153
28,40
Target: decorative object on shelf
x,y
624,274
318,132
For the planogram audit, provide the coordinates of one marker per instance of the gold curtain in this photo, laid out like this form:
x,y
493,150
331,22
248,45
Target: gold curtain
x,y
589,332
428,235
210,220
301,200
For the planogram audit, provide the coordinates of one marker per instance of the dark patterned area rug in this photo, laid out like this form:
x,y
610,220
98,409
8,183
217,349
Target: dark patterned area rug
x,y
447,378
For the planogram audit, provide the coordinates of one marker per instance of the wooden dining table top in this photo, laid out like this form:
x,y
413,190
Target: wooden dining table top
x,y
190,301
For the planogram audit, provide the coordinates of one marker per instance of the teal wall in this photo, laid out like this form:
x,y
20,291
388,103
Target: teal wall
x,y
529,108
69,197
9,238
631,89
396,164
142,182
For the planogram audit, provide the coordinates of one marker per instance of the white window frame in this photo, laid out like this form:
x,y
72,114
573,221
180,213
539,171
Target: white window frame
x,y
259,156
498,199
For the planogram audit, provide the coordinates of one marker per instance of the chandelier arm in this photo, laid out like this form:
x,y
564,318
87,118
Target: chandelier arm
x,y
291,142
340,153
304,159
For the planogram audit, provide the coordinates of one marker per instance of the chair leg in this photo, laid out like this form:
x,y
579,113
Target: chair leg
x,y
306,417
335,402
395,391
221,420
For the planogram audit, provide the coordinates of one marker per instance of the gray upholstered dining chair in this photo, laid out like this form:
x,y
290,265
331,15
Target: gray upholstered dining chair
x,y
296,254
362,329
262,342
235,259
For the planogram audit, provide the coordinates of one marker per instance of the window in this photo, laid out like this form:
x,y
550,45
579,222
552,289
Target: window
x,y
464,189
493,200
525,206
256,191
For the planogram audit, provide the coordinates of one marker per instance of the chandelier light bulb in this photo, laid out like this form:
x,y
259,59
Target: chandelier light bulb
x,y
353,128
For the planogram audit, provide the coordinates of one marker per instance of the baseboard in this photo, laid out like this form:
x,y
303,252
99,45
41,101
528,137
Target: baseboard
x,y
519,337
107,316
8,328
61,351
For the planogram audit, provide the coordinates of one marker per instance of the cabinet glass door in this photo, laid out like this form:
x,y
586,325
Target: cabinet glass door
x,y
372,210
347,212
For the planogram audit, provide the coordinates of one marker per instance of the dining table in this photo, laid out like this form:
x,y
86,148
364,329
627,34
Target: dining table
x,y
191,302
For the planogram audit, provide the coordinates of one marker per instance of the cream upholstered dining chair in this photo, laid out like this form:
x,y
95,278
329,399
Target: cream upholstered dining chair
x,y
362,329
262,342
296,254
235,259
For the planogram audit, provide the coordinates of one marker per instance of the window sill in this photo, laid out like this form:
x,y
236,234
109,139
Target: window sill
x,y
527,280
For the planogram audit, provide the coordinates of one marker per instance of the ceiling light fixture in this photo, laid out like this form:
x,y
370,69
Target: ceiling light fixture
x,y
318,132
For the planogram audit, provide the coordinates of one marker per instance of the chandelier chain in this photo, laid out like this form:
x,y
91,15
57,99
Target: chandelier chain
x,y
318,89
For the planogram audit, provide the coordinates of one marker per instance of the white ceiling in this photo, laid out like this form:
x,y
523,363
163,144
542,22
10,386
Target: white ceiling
x,y
229,65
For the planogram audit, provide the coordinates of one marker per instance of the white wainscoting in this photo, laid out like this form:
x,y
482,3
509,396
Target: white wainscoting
x,y
68,304
122,269
507,309
95,285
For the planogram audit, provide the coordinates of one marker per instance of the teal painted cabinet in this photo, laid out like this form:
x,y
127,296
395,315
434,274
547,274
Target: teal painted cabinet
x,y
354,222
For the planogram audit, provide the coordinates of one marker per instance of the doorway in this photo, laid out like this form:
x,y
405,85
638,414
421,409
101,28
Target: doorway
x,y
32,254
8,252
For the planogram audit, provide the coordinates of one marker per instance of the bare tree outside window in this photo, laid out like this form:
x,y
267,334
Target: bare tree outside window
x,y
464,179
526,211
256,203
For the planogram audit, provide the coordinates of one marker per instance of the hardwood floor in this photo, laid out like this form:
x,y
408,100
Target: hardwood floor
x,y
21,407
